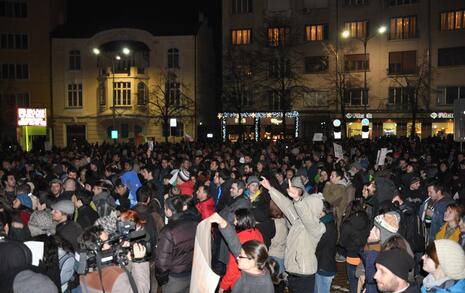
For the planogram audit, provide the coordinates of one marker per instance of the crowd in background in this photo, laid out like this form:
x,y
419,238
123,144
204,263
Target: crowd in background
x,y
282,215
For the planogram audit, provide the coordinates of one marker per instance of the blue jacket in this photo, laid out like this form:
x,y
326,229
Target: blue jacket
x,y
438,214
458,287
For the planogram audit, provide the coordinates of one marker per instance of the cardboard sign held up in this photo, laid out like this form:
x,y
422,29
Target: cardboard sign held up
x,y
318,136
338,152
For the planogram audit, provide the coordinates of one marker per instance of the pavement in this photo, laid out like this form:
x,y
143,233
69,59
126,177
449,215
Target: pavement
x,y
340,283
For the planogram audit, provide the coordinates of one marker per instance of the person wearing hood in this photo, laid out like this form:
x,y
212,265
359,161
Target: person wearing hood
x,y
444,260
303,212
103,201
392,270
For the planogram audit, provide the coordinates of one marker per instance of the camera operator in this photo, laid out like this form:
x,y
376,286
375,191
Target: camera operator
x,y
113,278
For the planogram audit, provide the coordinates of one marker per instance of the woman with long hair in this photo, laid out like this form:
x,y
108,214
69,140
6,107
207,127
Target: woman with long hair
x,y
258,270
450,229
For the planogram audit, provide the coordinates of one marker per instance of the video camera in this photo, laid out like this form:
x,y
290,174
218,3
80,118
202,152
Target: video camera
x,y
126,233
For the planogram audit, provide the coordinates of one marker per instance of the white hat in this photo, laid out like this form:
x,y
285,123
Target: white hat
x,y
451,258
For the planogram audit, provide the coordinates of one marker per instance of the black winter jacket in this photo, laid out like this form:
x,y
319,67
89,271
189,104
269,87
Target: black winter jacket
x,y
326,248
354,233
175,248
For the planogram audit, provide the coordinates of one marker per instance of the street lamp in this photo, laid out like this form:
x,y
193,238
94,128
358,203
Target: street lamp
x,y
345,35
125,51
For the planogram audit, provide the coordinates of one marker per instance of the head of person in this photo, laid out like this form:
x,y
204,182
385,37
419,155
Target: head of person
x,y
100,187
279,177
396,241
132,216
323,175
9,180
69,184
120,188
145,194
94,238
81,197
72,173
41,223
392,268
147,172
174,206
14,256
253,184
290,173
369,188
62,210
444,258
237,188
224,175
56,187
385,226
243,220
183,176
435,191
453,214
202,193
414,183
443,166
336,176
254,256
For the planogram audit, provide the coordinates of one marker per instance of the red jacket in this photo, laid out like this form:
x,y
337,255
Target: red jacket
x,y
186,188
232,271
206,208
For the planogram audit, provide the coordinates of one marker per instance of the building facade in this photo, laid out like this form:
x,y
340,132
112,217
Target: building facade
x,y
137,83
25,77
375,59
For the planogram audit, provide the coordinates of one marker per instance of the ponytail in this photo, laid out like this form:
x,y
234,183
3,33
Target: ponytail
x,y
274,269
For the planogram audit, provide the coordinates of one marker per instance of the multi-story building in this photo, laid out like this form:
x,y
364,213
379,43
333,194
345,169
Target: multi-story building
x,y
25,79
386,60
146,82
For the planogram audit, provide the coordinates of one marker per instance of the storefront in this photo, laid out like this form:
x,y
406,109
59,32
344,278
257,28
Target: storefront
x,y
443,124
258,125
32,127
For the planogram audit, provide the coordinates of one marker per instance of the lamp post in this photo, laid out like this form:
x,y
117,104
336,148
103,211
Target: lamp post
x,y
346,34
125,51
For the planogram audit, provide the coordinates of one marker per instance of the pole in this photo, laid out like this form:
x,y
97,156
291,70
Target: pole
x,y
114,98
365,92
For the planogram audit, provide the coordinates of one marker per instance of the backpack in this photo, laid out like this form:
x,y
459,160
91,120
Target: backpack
x,y
412,228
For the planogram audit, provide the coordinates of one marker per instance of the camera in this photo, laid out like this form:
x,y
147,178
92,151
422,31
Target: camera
x,y
121,242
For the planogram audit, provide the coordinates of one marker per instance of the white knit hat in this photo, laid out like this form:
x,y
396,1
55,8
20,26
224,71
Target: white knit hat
x,y
451,258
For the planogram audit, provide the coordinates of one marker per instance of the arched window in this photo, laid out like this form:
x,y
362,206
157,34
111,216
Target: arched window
x,y
142,93
173,58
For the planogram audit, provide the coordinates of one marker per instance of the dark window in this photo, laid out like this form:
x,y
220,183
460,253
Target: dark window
x,y
403,27
124,130
451,56
357,62
74,60
101,93
447,95
173,93
316,64
14,71
404,62
355,97
173,58
316,32
275,100
75,95
137,129
280,68
242,6
400,96
13,41
453,20
400,2
354,2
13,8
142,93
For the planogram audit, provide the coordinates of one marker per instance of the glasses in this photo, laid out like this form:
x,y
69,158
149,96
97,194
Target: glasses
x,y
242,257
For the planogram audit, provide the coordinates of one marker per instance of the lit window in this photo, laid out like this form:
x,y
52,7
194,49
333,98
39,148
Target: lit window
x,y
453,20
403,27
240,37
122,93
173,93
277,36
357,29
317,32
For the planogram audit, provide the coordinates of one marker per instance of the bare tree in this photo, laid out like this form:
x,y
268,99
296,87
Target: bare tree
x,y
416,88
340,79
167,99
280,63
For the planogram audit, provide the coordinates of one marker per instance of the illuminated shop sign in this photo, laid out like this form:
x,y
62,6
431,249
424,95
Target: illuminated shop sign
x,y
358,115
32,117
442,115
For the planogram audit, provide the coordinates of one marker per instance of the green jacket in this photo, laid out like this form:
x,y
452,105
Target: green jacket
x,y
305,231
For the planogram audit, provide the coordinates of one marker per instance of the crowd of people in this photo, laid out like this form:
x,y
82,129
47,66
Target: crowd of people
x,y
123,218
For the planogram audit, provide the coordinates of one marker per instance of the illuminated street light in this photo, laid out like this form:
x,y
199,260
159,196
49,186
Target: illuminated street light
x,y
96,51
345,34
118,57
126,51
382,29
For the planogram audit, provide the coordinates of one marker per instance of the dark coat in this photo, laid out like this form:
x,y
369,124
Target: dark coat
x,y
175,248
354,233
326,248
86,216
69,231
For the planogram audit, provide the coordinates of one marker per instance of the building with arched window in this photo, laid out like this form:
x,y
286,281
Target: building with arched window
x,y
133,81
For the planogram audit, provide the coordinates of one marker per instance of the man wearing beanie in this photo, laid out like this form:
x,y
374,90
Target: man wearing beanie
x,y
392,268
62,211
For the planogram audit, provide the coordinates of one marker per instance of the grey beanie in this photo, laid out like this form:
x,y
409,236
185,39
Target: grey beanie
x,y
65,206
41,222
28,281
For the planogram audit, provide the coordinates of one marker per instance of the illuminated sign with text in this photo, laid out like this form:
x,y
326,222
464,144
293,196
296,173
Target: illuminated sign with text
x,y
32,117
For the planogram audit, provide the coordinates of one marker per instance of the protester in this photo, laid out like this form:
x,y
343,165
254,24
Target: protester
x,y
450,229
